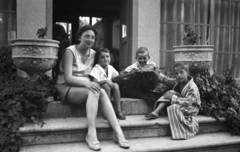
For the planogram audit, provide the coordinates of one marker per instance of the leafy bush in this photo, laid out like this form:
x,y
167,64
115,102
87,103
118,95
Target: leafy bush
x,y
21,101
220,97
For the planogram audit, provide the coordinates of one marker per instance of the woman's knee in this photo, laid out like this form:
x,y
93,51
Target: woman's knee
x,y
103,93
79,94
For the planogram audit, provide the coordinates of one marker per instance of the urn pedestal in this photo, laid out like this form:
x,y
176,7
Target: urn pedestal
x,y
198,57
34,56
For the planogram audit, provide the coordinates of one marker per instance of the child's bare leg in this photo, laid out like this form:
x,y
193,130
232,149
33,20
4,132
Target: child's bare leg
x,y
117,96
159,108
107,89
117,99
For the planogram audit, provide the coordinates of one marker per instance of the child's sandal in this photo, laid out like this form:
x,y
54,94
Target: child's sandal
x,y
120,115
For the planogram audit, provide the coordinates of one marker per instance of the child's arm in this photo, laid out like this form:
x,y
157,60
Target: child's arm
x,y
124,74
191,97
99,82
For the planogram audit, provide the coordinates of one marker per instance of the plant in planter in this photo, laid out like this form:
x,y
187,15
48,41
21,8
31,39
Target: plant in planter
x,y
190,37
35,56
21,100
199,57
42,32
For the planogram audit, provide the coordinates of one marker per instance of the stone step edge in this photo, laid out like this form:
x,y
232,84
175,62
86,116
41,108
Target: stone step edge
x,y
80,123
122,99
58,109
211,141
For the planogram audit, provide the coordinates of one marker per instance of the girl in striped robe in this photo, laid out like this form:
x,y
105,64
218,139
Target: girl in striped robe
x,y
183,107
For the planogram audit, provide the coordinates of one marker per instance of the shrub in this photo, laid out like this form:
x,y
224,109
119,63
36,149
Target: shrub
x,y
21,101
220,97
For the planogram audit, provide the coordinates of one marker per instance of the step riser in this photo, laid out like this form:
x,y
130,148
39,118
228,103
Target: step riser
x,y
57,109
105,134
232,148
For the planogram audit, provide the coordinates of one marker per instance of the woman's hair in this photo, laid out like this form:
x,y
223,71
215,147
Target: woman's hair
x,y
99,51
184,66
83,29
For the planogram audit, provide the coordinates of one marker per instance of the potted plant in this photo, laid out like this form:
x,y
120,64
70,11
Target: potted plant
x,y
35,56
199,57
21,101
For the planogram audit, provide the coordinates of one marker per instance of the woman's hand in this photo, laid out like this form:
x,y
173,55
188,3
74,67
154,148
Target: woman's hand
x,y
94,87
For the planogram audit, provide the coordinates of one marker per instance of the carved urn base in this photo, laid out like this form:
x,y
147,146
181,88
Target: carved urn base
x,y
34,56
198,57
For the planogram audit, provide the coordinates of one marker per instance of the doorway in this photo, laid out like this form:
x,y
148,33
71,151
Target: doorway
x,y
104,15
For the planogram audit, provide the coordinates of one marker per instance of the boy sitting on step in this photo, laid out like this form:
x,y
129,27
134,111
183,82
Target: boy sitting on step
x,y
142,64
184,101
140,79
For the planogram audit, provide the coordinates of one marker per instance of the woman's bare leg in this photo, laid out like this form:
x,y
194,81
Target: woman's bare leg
x,y
79,95
108,112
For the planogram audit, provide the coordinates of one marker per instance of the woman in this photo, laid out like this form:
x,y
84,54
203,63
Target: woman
x,y
74,86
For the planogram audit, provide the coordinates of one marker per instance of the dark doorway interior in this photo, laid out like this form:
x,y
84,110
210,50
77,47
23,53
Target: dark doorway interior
x,y
104,15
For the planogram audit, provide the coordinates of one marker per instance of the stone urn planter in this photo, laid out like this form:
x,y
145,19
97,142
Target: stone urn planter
x,y
34,56
199,57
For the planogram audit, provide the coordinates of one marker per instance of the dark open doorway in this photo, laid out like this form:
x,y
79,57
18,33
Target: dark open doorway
x,y
104,15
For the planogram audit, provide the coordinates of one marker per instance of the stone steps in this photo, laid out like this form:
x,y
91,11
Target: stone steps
x,y
65,129
73,129
58,109
211,142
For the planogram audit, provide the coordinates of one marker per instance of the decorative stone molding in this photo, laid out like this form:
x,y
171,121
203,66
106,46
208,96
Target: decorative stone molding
x,y
198,57
34,56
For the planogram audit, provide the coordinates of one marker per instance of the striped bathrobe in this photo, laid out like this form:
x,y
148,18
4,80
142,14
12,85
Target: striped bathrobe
x,y
182,111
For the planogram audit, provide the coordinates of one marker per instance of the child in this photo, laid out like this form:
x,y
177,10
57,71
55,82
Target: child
x,y
184,106
103,73
142,64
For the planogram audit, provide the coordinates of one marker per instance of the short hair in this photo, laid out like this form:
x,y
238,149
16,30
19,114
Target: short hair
x,y
182,65
83,29
142,50
99,51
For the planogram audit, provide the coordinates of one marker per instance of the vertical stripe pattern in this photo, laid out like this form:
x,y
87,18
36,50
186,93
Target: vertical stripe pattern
x,y
182,126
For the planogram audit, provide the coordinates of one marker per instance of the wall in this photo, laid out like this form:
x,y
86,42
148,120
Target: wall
x,y
149,28
31,15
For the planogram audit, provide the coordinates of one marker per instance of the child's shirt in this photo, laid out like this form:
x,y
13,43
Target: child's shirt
x,y
99,73
137,66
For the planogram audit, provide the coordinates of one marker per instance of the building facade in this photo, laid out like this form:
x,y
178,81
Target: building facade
x,y
126,25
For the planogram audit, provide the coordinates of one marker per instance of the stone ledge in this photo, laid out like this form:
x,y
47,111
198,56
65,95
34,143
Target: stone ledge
x,y
60,130
212,142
